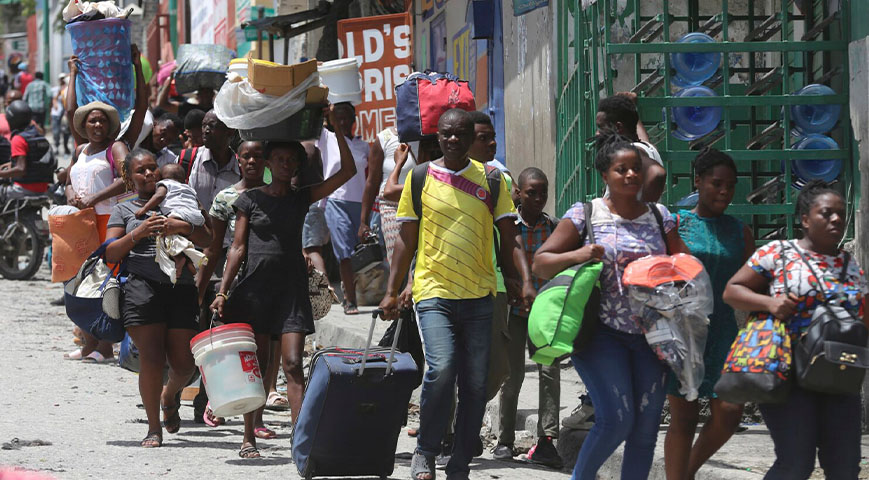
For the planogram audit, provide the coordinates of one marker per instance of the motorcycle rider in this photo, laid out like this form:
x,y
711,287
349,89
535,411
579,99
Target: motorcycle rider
x,y
33,163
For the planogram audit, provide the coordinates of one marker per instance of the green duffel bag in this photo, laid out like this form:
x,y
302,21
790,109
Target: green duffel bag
x,y
565,313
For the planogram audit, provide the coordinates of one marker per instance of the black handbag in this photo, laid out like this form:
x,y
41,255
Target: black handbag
x,y
832,356
366,255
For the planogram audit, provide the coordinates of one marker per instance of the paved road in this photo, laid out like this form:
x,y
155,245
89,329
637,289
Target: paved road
x,y
90,414
91,417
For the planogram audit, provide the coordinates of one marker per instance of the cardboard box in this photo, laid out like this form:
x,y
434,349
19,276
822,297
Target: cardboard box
x,y
317,96
276,79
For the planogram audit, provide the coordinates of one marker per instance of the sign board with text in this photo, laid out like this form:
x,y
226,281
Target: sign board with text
x,y
383,47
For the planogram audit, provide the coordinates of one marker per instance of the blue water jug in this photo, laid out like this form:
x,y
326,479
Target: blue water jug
x,y
694,68
808,119
689,201
806,170
695,122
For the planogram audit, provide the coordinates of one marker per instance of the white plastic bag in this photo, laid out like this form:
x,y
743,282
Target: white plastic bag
x,y
75,8
239,105
169,246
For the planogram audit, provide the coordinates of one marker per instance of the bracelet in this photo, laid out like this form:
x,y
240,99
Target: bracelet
x,y
192,229
133,237
225,296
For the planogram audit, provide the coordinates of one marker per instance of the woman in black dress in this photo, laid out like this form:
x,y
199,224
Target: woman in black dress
x,y
272,290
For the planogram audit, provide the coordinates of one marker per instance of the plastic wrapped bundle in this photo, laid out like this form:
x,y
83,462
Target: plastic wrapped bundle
x,y
672,296
201,66
105,68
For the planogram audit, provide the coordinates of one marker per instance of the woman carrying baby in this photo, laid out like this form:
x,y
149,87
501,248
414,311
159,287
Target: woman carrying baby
x,y
160,317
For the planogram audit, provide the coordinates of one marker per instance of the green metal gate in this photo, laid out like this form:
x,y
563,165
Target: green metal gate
x,y
604,48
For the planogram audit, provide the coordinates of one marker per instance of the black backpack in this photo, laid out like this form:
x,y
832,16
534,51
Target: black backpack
x,y
41,162
832,356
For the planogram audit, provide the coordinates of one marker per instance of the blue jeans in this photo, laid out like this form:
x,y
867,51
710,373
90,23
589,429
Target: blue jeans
x,y
810,422
456,336
626,383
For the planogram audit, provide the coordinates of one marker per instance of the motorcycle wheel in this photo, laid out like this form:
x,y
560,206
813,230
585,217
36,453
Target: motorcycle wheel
x,y
21,255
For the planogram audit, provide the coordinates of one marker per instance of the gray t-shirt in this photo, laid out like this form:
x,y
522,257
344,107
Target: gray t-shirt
x,y
141,260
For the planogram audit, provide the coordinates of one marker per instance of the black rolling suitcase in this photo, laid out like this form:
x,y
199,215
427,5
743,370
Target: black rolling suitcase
x,y
354,407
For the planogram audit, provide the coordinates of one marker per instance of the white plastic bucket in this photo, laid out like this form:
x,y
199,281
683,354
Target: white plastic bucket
x,y
239,66
343,79
354,98
226,357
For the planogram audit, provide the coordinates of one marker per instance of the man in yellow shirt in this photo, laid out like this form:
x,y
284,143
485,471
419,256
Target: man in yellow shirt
x,y
453,284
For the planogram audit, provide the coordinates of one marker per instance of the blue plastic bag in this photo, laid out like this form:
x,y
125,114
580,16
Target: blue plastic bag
x,y
106,67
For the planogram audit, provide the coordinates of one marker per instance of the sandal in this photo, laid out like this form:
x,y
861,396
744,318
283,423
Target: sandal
x,y
277,402
350,309
210,419
422,467
264,433
97,358
152,440
248,452
73,355
171,421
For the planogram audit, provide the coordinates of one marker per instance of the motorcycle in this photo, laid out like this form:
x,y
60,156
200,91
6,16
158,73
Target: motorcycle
x,y
23,237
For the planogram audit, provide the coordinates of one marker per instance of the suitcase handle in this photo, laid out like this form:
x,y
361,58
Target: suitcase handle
x,y
391,358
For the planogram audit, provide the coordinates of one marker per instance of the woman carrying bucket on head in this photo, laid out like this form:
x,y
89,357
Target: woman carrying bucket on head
x,y
161,318
272,291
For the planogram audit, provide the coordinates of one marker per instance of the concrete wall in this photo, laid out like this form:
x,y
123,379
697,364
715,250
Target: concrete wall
x,y
858,52
530,76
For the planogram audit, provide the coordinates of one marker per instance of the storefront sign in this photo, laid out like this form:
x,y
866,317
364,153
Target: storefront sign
x,y
465,56
383,47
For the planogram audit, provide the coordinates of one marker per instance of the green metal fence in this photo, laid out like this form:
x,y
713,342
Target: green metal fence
x,y
604,48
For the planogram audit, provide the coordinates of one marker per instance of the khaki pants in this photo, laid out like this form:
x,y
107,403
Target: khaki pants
x,y
549,390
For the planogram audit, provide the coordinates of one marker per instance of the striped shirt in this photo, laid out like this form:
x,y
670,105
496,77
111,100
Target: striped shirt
x,y
533,237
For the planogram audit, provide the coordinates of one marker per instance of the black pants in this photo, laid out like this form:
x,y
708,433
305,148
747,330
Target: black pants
x,y
810,422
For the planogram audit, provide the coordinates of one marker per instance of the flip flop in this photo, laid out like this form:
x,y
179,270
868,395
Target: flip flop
x,y
277,402
351,309
97,358
264,433
249,452
73,355
209,418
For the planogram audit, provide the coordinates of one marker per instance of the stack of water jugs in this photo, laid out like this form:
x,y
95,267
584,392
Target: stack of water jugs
x,y
811,123
691,70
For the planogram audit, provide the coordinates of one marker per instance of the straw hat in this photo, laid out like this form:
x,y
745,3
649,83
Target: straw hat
x,y
81,113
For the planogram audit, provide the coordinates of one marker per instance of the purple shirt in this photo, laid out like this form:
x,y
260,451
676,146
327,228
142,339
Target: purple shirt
x,y
624,241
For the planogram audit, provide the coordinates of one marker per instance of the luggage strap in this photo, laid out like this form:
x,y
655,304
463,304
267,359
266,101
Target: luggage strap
x,y
391,359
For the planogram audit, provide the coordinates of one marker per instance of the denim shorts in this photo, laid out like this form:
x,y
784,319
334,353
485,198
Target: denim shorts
x,y
343,218
315,232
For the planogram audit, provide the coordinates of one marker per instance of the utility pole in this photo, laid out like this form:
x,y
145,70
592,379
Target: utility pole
x,y
173,25
46,30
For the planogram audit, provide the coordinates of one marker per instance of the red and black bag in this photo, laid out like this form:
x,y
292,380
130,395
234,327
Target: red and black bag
x,y
423,98
186,160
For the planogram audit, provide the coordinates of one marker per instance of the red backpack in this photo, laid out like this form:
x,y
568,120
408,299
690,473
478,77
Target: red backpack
x,y
186,160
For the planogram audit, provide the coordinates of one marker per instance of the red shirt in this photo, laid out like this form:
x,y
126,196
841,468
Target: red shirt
x,y
20,149
4,127
24,80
